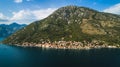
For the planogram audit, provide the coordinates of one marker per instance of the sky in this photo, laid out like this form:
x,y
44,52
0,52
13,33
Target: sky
x,y
28,11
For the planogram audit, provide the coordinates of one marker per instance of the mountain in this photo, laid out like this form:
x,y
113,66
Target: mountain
x,y
7,30
71,23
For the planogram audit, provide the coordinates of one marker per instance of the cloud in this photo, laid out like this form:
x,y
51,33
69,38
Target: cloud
x,y
18,1
3,18
23,17
113,9
32,14
26,16
22,14
40,14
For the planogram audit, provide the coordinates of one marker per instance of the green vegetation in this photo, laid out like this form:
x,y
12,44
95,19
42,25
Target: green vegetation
x,y
71,23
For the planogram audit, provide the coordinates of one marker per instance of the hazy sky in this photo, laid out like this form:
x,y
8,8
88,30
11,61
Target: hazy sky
x,y
27,11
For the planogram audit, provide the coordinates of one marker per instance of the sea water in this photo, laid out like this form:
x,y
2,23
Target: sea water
x,y
13,56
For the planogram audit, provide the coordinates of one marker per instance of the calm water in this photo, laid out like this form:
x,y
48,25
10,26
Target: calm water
x,y
12,56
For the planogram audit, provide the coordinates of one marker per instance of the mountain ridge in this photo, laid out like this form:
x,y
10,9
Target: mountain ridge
x,y
8,29
71,23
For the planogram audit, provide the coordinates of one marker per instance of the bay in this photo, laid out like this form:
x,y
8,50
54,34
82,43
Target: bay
x,y
13,56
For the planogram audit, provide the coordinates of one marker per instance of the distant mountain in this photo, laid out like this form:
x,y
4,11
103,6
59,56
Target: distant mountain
x,y
7,30
71,23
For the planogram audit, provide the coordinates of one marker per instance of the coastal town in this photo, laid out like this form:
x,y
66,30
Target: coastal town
x,y
70,45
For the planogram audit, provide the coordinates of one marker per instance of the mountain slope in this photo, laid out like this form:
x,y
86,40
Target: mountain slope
x,y
7,30
71,23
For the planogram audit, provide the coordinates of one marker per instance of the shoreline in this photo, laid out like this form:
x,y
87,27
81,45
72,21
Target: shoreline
x,y
68,45
81,48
